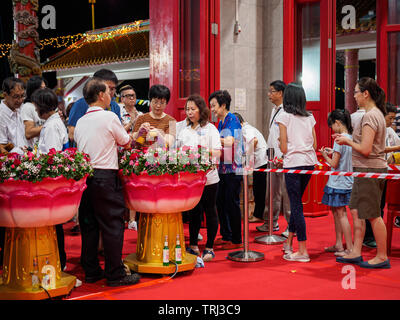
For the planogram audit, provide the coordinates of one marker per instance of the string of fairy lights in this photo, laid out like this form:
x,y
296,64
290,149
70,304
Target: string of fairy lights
x,y
73,40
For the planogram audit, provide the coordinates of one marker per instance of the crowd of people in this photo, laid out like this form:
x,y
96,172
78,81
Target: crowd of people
x,y
97,125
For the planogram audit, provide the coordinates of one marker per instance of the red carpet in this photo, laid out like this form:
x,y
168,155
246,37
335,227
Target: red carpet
x,y
270,279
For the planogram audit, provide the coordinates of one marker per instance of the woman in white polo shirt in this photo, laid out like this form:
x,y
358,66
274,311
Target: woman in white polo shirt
x,y
53,135
201,132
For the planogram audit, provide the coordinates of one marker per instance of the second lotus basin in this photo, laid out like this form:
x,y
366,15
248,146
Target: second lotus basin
x,y
163,194
52,201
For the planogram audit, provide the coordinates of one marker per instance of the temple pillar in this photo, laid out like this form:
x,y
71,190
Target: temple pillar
x,y
351,76
24,55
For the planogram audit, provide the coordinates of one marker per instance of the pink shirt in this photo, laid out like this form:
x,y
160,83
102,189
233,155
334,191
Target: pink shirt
x,y
300,150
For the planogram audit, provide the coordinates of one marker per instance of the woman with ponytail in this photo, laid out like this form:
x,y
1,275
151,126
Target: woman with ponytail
x,y
368,156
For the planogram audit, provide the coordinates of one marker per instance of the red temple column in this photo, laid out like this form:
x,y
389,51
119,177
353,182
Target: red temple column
x,y
24,55
351,76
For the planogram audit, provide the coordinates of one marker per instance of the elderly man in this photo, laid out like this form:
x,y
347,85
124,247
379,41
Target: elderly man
x,y
12,130
99,133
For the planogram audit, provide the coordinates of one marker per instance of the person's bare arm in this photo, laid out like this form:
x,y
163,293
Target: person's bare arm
x,y
30,130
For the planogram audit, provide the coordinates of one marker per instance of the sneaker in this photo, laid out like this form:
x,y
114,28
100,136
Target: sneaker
x,y
208,255
397,222
296,257
78,283
132,225
265,228
286,248
124,281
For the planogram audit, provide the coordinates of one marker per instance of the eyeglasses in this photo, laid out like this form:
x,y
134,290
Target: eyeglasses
x,y
129,96
158,102
272,91
17,97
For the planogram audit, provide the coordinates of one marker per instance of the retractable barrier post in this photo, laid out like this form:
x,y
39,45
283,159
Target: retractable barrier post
x,y
270,238
245,255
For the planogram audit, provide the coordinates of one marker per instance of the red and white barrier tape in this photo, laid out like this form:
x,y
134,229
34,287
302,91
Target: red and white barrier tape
x,y
390,176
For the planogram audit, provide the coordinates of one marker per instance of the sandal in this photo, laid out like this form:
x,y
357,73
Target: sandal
x,y
332,249
208,255
342,253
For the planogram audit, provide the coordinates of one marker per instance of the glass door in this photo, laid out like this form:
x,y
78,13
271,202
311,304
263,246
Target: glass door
x,y
198,62
309,56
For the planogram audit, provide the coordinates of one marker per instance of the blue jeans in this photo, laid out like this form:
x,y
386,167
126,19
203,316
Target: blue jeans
x,y
296,184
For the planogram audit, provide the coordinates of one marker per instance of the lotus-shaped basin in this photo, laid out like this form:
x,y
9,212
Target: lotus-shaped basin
x,y
165,193
52,201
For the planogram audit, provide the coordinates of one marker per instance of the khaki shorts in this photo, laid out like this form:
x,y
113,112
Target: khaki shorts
x,y
367,193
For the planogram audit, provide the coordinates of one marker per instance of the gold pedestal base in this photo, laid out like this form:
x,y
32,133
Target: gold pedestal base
x,y
134,264
152,229
64,285
31,262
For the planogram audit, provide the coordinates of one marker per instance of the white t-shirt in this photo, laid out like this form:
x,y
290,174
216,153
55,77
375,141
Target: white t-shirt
x,y
207,136
12,128
392,139
273,136
53,134
180,126
300,150
259,154
98,133
28,113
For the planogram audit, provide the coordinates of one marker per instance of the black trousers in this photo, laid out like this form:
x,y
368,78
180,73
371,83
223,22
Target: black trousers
x,y
259,192
228,207
61,245
207,205
102,209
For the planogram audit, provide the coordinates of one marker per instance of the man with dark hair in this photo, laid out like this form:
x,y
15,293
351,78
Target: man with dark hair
x,y
279,196
228,195
102,208
12,129
80,107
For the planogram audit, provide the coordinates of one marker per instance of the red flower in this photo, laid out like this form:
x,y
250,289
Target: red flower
x,y
17,162
133,156
50,160
52,152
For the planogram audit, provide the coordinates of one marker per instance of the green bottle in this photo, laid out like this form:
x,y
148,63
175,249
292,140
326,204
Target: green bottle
x,y
166,253
178,251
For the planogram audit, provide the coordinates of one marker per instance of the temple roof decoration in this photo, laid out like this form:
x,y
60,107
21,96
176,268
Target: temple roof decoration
x,y
122,43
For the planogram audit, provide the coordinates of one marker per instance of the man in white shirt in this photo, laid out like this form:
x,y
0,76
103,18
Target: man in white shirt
x,y
12,130
102,208
279,192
